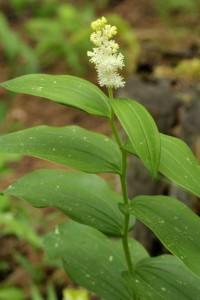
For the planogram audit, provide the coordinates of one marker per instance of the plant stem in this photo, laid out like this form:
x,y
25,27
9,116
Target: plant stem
x,y
112,122
127,216
123,186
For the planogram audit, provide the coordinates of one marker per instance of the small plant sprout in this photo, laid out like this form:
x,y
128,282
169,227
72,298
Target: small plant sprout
x,y
95,243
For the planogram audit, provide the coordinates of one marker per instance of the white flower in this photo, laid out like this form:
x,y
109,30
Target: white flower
x,y
105,55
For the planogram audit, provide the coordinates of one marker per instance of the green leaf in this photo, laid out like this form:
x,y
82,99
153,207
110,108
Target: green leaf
x,y
63,89
177,163
35,293
20,227
86,198
70,146
162,278
78,294
141,130
174,223
51,292
7,293
92,260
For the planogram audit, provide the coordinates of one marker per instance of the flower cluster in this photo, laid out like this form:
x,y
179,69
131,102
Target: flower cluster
x,y
105,55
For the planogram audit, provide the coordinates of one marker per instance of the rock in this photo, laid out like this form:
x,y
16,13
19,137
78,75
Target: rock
x,y
158,98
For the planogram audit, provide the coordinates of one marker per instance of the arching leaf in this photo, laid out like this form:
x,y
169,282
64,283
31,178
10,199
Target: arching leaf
x,y
141,130
85,198
92,260
176,225
162,278
70,146
64,89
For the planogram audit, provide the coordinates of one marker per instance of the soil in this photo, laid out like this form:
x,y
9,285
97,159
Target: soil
x,y
158,47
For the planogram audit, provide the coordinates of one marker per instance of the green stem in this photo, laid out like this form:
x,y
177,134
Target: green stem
x,y
112,121
110,93
123,187
127,216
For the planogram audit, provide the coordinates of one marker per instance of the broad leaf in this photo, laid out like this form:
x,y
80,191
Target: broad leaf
x,y
70,146
92,260
162,278
177,163
174,223
84,197
63,89
141,130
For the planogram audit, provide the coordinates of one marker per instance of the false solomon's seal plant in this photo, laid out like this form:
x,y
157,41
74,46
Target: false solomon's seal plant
x,y
95,244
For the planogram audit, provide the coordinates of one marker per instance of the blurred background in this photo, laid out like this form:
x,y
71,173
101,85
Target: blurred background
x,y
161,44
